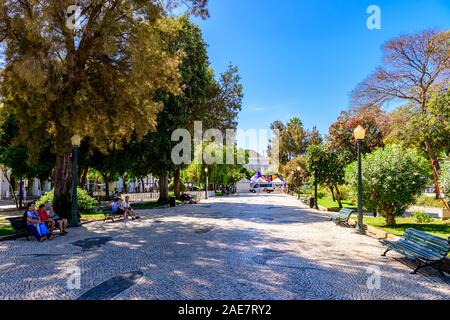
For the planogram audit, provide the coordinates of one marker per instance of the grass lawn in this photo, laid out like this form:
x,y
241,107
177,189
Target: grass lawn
x,y
333,205
6,230
437,227
92,216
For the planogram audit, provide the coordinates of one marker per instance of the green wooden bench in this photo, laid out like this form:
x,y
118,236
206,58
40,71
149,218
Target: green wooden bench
x,y
19,226
109,214
342,216
427,250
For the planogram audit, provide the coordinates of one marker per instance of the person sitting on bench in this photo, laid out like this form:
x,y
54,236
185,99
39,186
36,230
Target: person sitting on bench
x,y
33,223
61,223
117,208
129,212
44,217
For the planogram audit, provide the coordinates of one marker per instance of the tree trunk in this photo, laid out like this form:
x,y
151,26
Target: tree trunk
x,y
42,181
83,179
177,183
62,201
338,197
106,180
434,159
390,220
163,188
142,185
332,193
124,185
21,193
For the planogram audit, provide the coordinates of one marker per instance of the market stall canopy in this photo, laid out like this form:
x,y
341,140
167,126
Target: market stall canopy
x,y
278,181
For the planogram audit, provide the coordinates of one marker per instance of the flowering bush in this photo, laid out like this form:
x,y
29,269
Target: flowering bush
x,y
372,118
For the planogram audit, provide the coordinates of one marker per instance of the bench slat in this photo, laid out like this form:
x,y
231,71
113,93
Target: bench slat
x,y
433,243
417,251
416,244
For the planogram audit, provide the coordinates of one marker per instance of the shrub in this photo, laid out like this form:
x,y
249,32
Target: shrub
x,y
392,179
422,217
347,193
182,186
86,204
445,179
321,194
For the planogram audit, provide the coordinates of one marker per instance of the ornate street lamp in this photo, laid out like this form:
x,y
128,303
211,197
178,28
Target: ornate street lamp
x,y
206,185
76,140
360,135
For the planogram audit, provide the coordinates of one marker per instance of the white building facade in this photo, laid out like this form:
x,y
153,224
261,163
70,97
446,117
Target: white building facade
x,y
257,162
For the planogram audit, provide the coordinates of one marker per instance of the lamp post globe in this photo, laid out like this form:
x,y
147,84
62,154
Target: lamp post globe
x,y
360,135
76,141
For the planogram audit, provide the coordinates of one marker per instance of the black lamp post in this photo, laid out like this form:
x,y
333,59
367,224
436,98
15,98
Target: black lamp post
x,y
316,200
74,213
360,134
298,182
206,185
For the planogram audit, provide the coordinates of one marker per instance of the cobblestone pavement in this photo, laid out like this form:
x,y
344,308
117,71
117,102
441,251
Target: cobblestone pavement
x,y
249,247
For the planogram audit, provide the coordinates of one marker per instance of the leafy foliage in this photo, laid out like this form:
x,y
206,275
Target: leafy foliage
x,y
292,139
392,178
422,217
98,80
86,204
327,167
445,179
341,136
415,126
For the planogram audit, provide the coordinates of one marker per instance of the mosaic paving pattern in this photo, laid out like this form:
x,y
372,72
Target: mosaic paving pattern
x,y
249,247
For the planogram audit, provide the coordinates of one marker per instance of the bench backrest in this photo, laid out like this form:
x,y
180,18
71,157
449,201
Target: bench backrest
x,y
346,212
427,241
17,223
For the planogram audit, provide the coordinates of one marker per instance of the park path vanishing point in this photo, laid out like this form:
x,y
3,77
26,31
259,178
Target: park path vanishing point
x,y
247,247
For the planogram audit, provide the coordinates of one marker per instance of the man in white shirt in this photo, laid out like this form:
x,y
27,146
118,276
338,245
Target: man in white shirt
x,y
129,212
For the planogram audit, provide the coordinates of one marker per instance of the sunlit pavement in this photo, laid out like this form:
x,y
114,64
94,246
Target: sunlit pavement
x,y
248,247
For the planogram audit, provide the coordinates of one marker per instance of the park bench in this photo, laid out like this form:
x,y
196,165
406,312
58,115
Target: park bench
x,y
109,214
342,217
19,226
427,250
189,198
305,200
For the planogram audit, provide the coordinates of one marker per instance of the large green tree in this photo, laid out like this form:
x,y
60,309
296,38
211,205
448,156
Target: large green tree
x,y
292,139
327,167
14,158
97,79
215,103
413,127
415,67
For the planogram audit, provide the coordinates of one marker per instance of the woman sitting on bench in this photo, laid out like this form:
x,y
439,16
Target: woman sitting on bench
x,y
33,224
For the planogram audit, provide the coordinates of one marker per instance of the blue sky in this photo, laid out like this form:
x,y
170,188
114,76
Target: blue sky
x,y
303,58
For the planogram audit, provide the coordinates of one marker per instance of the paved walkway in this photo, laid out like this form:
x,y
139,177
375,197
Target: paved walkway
x,y
253,247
